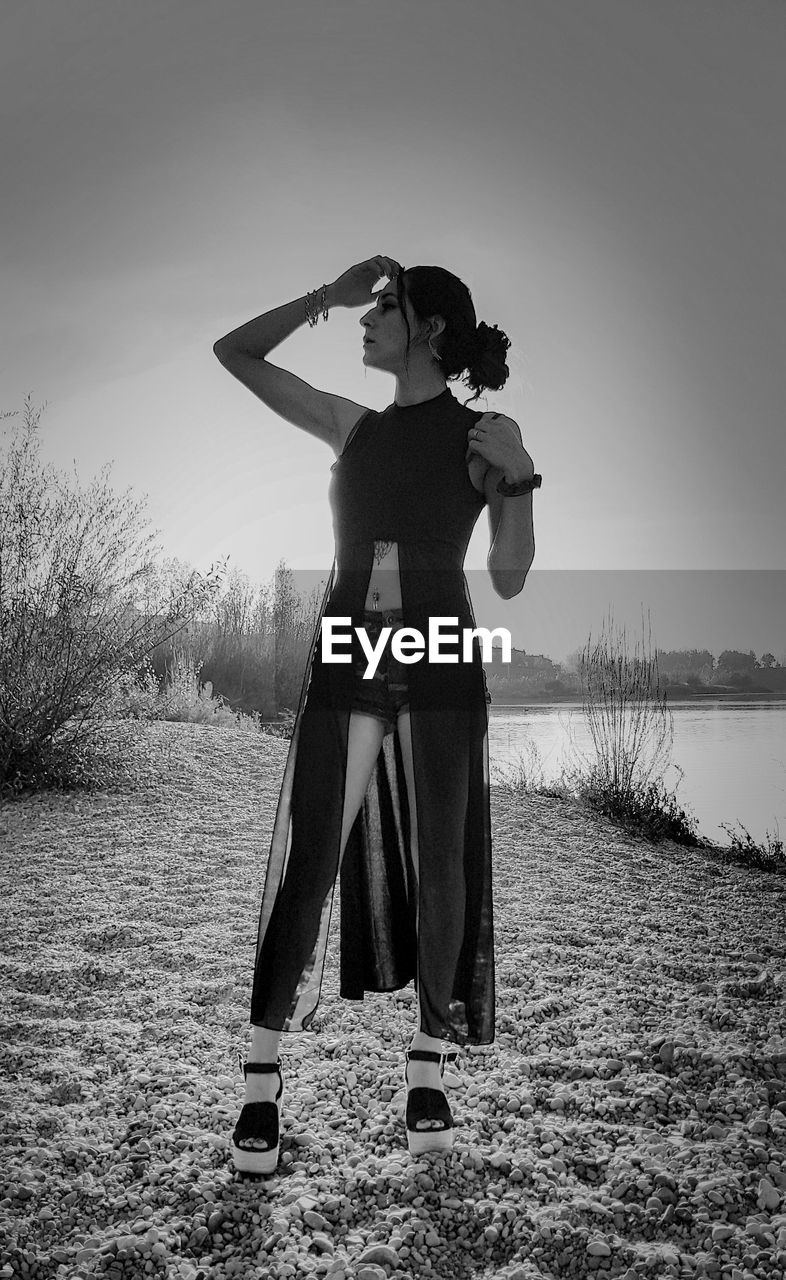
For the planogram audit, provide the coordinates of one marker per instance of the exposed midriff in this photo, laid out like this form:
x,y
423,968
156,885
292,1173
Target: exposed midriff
x,y
384,584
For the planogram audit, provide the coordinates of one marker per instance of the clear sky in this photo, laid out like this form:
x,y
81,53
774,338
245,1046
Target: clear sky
x,y
608,178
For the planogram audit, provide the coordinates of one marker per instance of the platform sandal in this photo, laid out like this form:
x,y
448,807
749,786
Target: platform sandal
x,y
260,1121
424,1103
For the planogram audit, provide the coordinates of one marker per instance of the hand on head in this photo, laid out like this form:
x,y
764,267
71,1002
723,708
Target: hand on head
x,y
355,287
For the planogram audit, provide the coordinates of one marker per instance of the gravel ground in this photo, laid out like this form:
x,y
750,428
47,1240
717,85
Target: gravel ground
x,y
630,1117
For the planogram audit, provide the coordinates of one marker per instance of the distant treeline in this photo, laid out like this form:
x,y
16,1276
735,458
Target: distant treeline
x,y
689,671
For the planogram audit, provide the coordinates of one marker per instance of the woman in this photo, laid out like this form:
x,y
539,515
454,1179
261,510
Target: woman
x,y
386,779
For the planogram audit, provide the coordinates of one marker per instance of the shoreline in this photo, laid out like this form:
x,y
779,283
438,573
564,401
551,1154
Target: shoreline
x,y
721,695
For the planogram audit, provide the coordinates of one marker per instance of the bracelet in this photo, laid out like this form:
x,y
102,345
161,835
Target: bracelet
x,y
523,486
312,307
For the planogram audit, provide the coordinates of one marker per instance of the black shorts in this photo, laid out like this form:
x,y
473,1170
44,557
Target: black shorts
x,y
386,693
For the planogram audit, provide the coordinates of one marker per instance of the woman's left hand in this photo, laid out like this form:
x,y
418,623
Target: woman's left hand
x,y
498,439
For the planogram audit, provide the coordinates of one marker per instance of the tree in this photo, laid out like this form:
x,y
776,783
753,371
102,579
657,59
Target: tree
x,y
294,620
734,660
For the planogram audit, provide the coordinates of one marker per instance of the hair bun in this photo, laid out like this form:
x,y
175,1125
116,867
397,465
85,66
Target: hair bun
x,y
489,366
490,338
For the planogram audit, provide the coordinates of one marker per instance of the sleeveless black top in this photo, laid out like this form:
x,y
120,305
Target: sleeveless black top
x,y
403,477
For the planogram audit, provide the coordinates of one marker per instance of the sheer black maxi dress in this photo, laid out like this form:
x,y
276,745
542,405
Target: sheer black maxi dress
x,y
402,476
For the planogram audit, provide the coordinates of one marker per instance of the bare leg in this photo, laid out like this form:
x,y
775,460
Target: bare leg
x,y
418,1073
363,745
264,1044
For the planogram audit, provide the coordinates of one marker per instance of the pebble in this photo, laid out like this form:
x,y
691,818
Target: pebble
x,y
381,1253
323,1243
768,1196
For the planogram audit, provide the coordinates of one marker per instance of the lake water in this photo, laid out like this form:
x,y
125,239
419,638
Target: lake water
x,y
733,757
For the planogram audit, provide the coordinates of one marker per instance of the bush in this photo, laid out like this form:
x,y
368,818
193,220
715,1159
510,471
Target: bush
x,y
78,611
184,697
649,810
524,774
632,733
91,755
284,727
136,695
769,856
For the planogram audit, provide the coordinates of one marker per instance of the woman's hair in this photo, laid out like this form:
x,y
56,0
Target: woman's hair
x,y
463,346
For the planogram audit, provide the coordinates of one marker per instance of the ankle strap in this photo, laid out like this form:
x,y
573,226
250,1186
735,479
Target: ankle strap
x,y
425,1055
260,1067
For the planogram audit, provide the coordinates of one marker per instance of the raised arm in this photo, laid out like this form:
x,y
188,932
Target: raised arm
x,y
244,351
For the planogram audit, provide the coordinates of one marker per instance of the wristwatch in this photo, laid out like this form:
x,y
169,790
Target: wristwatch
x,y
523,486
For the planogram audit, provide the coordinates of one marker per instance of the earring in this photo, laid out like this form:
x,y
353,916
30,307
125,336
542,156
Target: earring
x,y
433,352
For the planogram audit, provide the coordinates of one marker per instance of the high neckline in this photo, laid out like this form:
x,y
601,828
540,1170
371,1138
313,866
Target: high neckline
x,y
420,404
